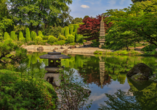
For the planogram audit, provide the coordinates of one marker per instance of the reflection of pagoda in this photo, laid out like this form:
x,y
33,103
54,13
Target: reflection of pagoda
x,y
102,71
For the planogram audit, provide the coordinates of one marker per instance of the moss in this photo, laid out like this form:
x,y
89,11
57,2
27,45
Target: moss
x,y
25,93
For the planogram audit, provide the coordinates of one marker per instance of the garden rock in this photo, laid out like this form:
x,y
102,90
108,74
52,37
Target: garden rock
x,y
142,70
40,49
65,51
87,44
72,47
62,48
55,49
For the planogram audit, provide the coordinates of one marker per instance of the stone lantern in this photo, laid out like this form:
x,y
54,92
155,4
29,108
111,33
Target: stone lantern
x,y
102,33
54,65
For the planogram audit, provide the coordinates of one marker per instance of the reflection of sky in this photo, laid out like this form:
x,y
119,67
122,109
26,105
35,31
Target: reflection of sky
x,y
98,93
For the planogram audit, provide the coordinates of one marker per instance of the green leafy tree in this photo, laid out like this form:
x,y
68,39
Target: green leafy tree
x,y
13,35
33,35
37,12
21,38
77,20
6,36
134,1
28,38
52,39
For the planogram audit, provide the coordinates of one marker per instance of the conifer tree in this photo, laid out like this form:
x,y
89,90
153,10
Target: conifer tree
x,y
28,38
21,38
6,36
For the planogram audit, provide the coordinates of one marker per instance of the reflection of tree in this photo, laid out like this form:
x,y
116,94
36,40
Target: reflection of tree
x,y
120,101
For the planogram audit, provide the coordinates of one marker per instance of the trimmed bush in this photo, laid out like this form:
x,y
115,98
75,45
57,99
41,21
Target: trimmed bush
x,y
28,38
21,38
52,39
66,31
71,28
70,38
40,34
13,35
76,26
61,37
6,36
38,39
33,35
61,42
63,31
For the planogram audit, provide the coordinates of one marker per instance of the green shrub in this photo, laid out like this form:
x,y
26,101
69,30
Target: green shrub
x,y
38,39
52,39
28,38
61,37
66,31
76,26
40,34
25,93
21,38
13,35
55,31
6,36
60,42
33,35
70,38
71,28
149,48
63,31
31,43
95,43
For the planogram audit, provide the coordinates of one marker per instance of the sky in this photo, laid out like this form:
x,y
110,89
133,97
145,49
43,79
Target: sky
x,y
92,8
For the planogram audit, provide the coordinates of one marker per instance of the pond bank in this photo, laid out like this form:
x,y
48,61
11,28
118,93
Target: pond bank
x,y
77,49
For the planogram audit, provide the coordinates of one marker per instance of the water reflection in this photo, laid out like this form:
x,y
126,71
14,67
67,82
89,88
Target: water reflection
x,y
103,75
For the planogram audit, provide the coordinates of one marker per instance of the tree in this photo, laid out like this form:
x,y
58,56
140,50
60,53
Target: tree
x,y
28,38
5,20
91,26
33,35
76,20
13,35
37,12
21,38
6,36
134,1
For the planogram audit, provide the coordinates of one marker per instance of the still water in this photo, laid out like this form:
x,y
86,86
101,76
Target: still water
x,y
106,78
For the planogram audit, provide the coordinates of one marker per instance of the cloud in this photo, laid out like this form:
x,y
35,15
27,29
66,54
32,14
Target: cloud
x,y
84,6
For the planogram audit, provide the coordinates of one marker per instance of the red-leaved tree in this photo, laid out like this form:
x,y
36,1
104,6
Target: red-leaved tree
x,y
91,27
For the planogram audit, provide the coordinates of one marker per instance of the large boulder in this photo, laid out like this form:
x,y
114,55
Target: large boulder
x,y
40,49
142,70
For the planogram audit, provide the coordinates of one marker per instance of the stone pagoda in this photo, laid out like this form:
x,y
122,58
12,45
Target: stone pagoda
x,y
102,33
54,66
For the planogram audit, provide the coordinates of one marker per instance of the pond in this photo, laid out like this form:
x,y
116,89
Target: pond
x,y
106,78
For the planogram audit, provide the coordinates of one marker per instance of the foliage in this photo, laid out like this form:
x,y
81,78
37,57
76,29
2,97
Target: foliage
x,y
6,36
52,39
13,35
71,29
31,94
21,38
55,31
70,38
37,12
38,39
40,34
73,94
91,26
60,42
149,48
63,31
11,53
66,31
77,20
28,38
95,43
120,101
79,38
33,35
134,1
61,37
